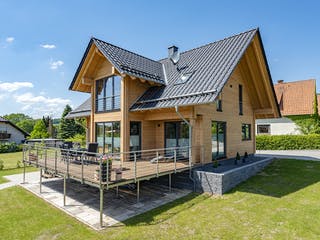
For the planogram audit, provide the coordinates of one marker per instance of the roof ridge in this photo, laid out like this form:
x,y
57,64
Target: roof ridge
x,y
207,44
94,38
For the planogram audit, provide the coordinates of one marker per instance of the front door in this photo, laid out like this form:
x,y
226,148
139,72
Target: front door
x,y
177,135
135,136
218,139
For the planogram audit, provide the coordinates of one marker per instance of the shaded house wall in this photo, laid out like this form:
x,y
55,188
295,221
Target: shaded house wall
x,y
15,135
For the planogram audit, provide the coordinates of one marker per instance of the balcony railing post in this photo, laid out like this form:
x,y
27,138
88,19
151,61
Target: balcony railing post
x,y
82,174
135,167
157,164
37,156
45,160
68,161
55,160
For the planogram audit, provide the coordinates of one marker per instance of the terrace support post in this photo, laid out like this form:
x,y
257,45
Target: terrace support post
x,y
101,206
169,182
117,191
175,160
37,158
135,167
64,189
40,187
157,164
138,191
68,161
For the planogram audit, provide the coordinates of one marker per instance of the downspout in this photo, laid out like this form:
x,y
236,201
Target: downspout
x,y
190,143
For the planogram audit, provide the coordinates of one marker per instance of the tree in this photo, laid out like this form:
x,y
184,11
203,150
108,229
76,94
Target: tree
x,y
39,130
27,125
17,117
68,127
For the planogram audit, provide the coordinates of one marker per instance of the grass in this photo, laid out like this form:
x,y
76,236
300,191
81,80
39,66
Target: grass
x,y
10,165
282,202
10,159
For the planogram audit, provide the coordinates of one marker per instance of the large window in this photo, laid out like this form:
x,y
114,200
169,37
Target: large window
x,y
246,131
108,136
263,129
108,94
240,100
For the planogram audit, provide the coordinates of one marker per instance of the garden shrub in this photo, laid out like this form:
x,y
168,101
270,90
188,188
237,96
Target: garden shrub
x,y
287,142
10,147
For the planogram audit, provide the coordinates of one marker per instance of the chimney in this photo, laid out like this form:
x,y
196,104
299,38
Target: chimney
x,y
280,81
173,54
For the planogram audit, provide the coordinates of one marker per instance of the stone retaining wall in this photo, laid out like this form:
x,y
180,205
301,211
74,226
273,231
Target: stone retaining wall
x,y
219,183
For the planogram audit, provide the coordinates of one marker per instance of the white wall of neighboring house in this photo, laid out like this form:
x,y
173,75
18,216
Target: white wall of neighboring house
x,y
277,126
16,135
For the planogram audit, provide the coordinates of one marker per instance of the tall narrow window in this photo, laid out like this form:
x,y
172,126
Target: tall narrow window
x,y
240,100
246,131
108,94
219,102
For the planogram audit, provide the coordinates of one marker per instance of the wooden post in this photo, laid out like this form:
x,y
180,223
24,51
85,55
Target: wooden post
x,y
64,189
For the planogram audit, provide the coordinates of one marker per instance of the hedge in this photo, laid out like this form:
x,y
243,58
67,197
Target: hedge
x,y
10,147
287,142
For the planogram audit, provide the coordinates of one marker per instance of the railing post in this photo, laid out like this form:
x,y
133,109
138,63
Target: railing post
x,y
157,164
64,189
135,167
190,157
40,187
175,160
101,206
107,174
37,156
55,160
45,160
68,161
82,177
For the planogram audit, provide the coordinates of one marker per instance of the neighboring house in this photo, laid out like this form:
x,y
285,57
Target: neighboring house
x,y
208,96
294,99
9,132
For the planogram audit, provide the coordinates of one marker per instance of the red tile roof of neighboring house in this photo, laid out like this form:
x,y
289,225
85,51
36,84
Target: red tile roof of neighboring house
x,y
296,98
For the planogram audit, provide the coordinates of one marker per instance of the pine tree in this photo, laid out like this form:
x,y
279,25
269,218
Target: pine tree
x,y
68,127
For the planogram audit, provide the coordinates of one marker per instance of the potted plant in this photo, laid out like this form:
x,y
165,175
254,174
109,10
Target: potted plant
x,y
215,163
245,157
106,165
237,158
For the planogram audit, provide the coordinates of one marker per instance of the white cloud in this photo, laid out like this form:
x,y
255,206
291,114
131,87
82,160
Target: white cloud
x,y
48,46
39,106
9,39
56,64
14,86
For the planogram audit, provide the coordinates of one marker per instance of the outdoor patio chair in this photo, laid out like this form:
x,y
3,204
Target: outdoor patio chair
x,y
92,150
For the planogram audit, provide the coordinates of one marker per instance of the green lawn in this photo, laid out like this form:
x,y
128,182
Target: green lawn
x,y
282,202
10,159
14,171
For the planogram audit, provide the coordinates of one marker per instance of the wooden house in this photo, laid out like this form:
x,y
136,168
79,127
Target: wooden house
x,y
207,97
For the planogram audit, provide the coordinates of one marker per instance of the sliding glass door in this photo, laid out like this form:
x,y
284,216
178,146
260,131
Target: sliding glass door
x,y
218,139
177,135
108,136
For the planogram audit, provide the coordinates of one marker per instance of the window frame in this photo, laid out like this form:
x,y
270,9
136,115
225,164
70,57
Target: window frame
x,y
104,124
115,106
268,126
219,103
246,126
240,99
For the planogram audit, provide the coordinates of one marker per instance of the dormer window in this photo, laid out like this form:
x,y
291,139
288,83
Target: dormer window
x,y
108,94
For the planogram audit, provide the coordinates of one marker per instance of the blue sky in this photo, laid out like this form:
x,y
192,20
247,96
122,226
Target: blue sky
x,y
42,42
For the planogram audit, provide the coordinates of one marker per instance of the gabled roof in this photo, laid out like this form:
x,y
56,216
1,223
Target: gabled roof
x,y
125,62
84,110
296,98
3,120
211,66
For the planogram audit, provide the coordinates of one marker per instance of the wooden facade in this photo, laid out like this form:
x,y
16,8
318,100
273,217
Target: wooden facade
x,y
258,102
